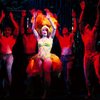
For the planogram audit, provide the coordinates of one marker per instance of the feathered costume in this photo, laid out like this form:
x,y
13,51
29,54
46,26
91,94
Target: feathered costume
x,y
44,47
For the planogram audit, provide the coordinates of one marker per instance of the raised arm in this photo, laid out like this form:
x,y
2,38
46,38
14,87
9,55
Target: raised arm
x,y
97,18
74,21
22,21
2,16
82,5
33,26
52,24
16,30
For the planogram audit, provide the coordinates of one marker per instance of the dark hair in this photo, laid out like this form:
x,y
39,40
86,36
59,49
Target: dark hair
x,y
10,28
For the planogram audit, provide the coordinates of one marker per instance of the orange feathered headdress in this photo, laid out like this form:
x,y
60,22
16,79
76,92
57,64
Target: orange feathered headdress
x,y
41,21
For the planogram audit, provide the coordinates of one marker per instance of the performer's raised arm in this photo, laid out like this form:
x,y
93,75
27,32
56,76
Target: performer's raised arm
x,y
16,27
33,25
22,22
74,22
82,5
52,24
97,18
2,16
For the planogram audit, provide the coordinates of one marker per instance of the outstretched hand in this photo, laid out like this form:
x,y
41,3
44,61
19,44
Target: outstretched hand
x,y
73,13
32,11
47,16
47,13
23,13
46,10
11,15
2,14
34,15
82,5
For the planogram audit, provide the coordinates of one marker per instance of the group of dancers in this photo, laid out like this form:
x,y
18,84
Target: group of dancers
x,y
40,32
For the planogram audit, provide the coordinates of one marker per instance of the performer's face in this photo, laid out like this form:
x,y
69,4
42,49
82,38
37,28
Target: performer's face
x,y
44,32
29,30
7,31
65,31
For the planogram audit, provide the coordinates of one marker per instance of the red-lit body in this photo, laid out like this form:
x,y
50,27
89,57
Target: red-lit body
x,y
91,56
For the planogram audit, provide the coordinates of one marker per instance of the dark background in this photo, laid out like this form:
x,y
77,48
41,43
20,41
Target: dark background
x,y
63,10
